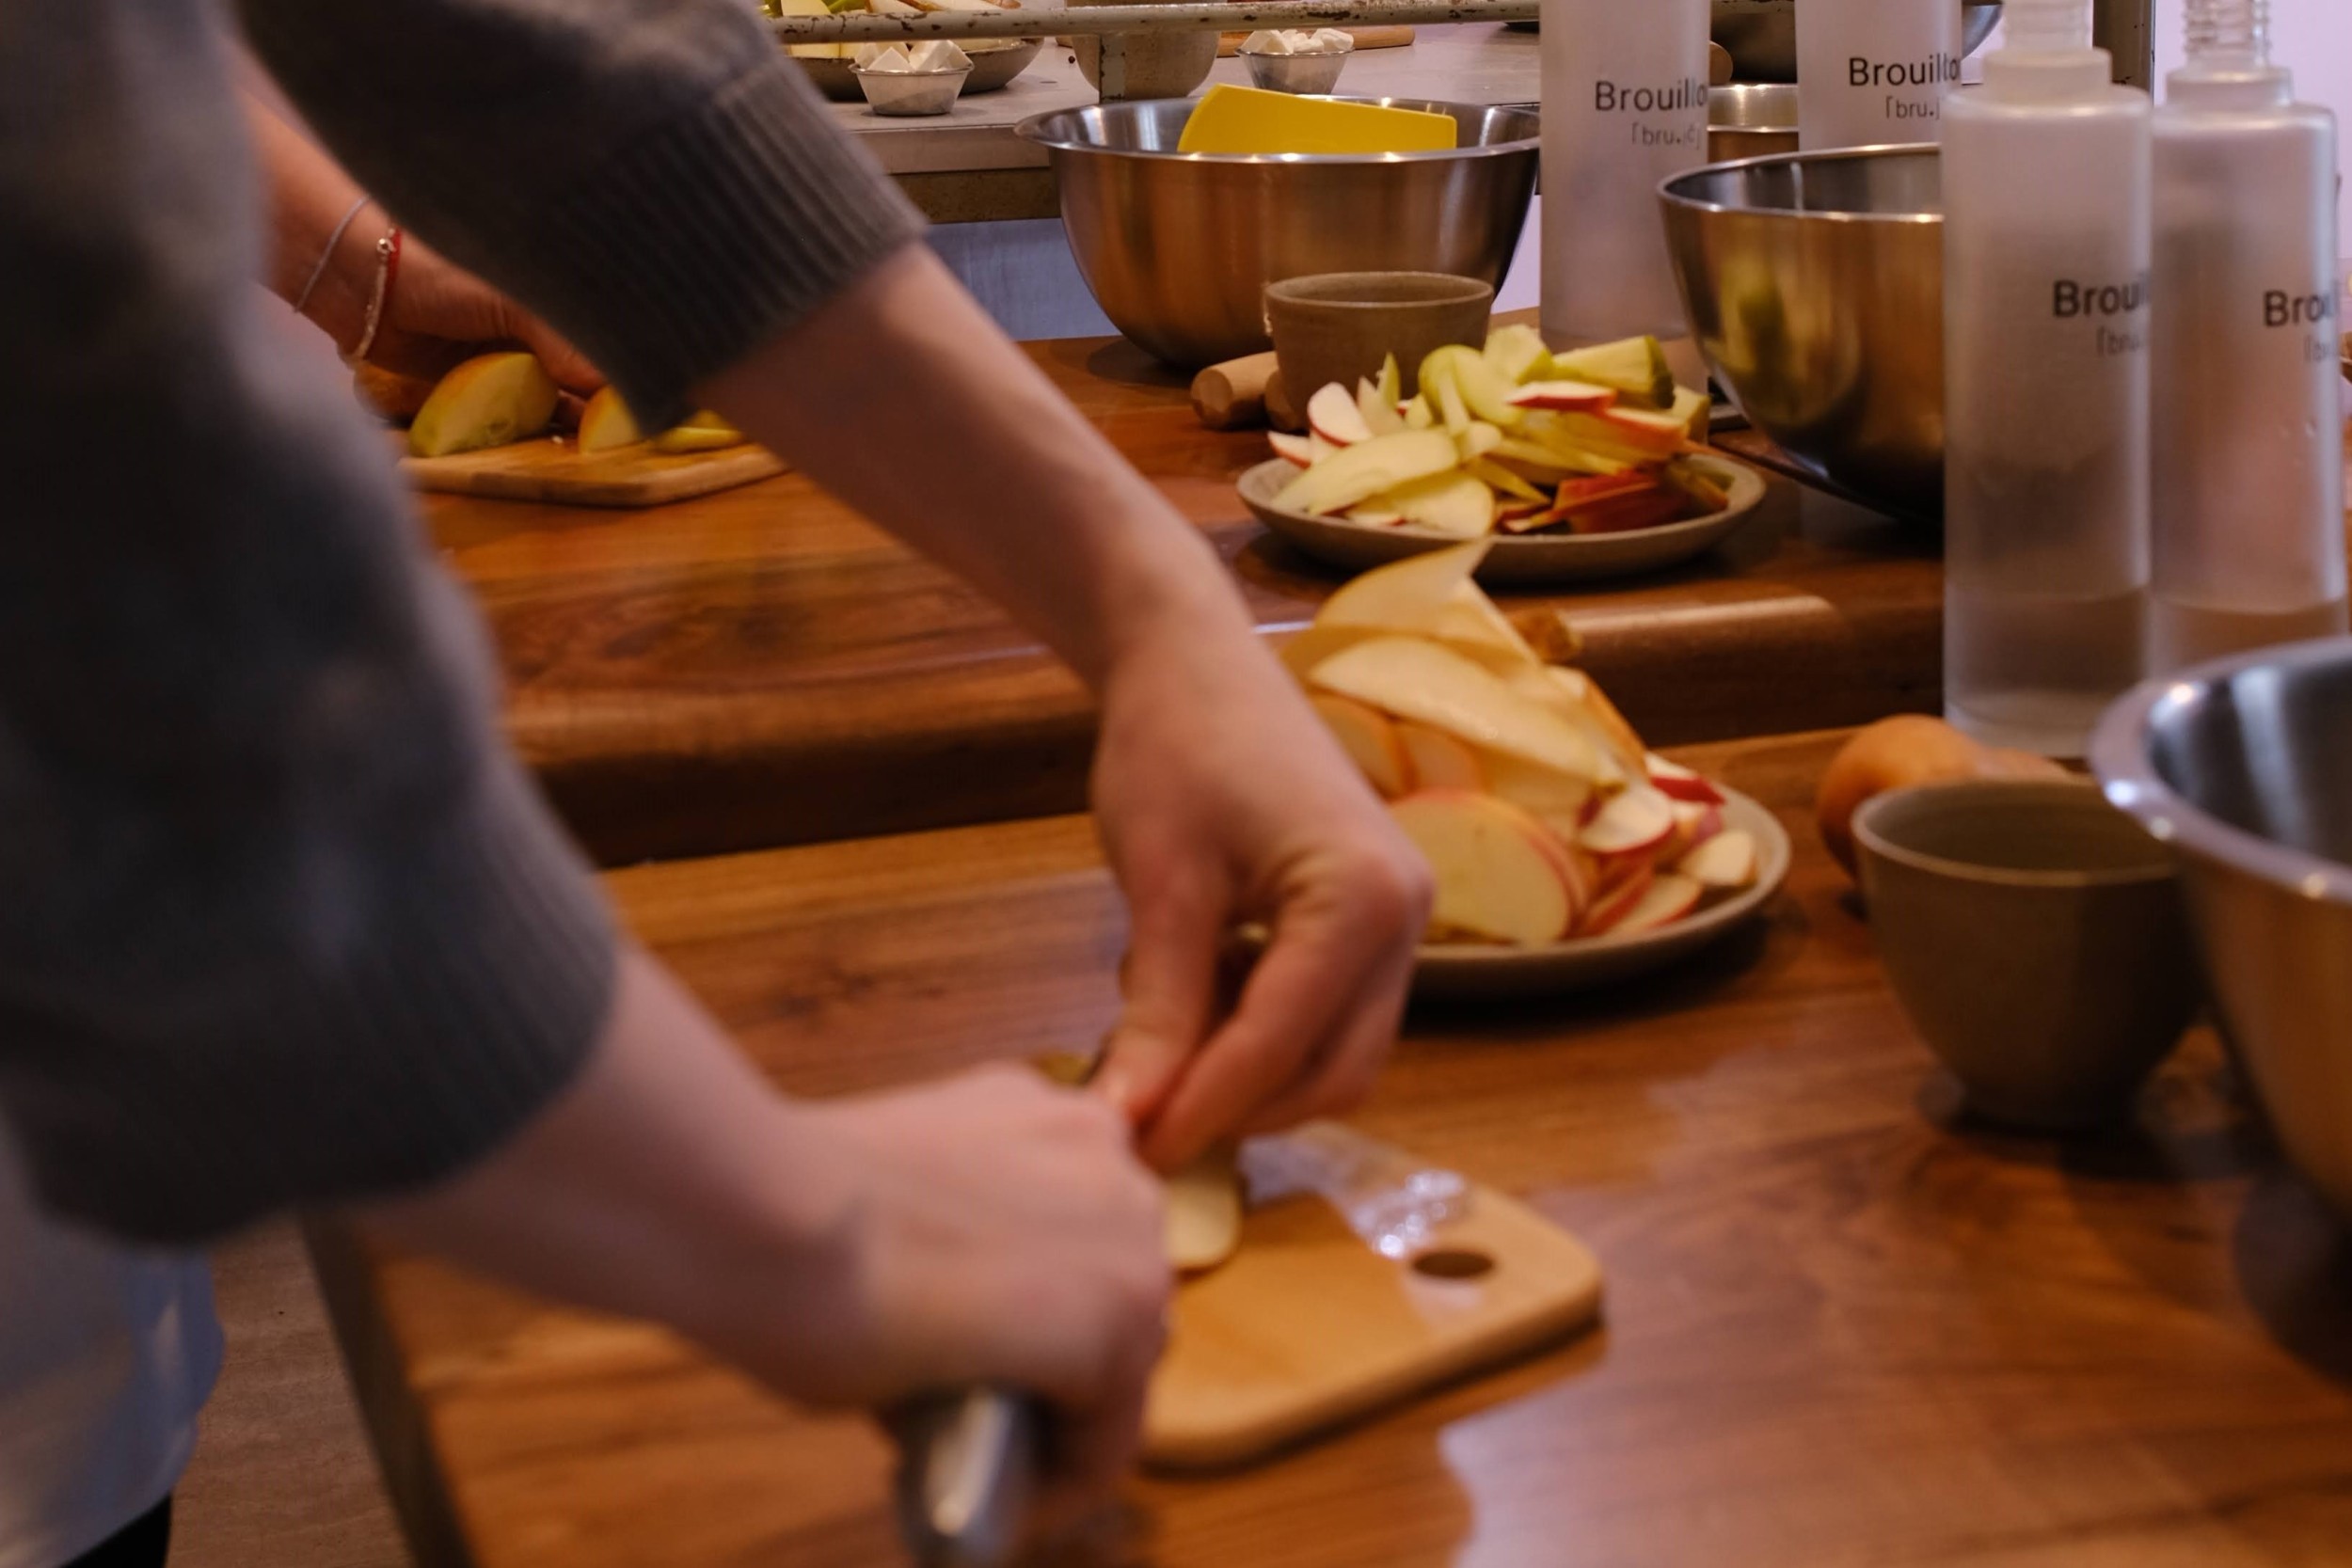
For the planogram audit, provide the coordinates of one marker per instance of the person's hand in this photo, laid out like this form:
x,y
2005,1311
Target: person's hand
x,y
1222,799
437,313
996,1229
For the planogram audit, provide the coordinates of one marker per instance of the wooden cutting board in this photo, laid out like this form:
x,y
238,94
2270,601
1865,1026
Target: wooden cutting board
x,y
1307,1326
553,471
1228,44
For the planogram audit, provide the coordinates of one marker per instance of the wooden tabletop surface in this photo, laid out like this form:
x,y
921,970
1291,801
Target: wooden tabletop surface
x,y
1843,1326
763,667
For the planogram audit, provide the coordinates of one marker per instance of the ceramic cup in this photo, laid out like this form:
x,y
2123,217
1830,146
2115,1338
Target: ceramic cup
x,y
2037,938
1340,325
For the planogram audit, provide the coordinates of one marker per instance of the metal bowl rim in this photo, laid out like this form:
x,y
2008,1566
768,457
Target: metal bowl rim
x,y
1673,198
1031,129
2119,756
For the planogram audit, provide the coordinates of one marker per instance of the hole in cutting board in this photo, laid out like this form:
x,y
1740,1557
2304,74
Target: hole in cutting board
x,y
1453,1263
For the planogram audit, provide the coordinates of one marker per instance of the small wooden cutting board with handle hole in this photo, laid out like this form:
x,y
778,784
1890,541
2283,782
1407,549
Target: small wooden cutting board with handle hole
x,y
554,472
1307,1328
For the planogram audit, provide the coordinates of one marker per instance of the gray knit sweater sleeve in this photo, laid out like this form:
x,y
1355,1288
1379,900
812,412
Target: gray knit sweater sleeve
x,y
654,177
282,921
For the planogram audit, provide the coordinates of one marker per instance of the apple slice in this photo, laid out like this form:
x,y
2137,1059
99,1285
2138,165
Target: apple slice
x,y
1568,694
1723,861
1634,822
1417,414
1437,761
607,423
1636,367
1431,684
1299,449
1455,505
1362,471
1694,824
1680,782
1572,396
1667,899
1432,596
490,401
682,440
1370,740
1203,1213
1379,413
1498,871
1332,414
1518,516
1485,395
1508,487
1516,353
1373,514
1626,513
1477,441
1651,430
1559,801
1391,381
1616,900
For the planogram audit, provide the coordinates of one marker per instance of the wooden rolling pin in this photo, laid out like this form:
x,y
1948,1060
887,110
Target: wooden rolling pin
x,y
1231,396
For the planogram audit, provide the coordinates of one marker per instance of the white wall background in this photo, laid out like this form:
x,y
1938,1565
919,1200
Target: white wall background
x,y
2310,38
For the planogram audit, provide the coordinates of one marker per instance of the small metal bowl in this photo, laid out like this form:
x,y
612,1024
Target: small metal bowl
x,y
1815,286
2244,767
1308,74
912,92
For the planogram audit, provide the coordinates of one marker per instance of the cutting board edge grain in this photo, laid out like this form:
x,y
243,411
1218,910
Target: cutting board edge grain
x,y
554,473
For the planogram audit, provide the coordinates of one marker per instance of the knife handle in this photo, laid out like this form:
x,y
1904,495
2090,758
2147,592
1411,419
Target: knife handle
x,y
968,1470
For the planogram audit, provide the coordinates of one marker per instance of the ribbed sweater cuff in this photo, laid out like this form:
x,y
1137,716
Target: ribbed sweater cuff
x,y
348,1069
709,238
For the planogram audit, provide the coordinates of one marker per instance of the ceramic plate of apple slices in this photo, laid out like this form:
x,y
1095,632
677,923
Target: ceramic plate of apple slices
x,y
1471,970
1531,557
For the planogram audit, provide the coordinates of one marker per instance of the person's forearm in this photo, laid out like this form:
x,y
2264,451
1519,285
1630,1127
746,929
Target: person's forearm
x,y
668,1183
903,398
309,198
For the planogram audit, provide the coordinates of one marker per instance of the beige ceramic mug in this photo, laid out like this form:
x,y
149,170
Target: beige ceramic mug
x,y
1340,325
2036,937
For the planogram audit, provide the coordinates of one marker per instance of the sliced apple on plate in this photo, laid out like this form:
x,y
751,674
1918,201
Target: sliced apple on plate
x,y
1667,899
1617,899
1379,413
1301,451
1363,471
1634,822
1723,862
1332,414
1580,397
1370,738
1438,761
1635,366
1453,504
1500,874
1411,678
1675,779
1517,353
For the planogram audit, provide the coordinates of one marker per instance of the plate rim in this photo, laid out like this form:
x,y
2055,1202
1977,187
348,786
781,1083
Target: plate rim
x,y
1749,491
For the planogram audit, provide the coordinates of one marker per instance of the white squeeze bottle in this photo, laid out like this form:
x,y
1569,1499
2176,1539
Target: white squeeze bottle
x,y
1874,72
1624,109
2045,362
2248,416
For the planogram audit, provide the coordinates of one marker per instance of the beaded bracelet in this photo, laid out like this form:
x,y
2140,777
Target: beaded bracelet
x,y
386,270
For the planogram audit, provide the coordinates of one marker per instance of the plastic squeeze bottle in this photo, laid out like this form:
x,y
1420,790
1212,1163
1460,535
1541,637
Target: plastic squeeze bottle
x,y
1871,73
2046,243
2249,416
1624,108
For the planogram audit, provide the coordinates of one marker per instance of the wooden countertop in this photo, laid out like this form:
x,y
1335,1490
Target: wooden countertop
x,y
763,667
1841,1329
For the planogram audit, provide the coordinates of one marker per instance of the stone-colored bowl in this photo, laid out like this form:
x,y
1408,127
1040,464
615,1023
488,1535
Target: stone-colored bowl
x,y
2038,940
1340,325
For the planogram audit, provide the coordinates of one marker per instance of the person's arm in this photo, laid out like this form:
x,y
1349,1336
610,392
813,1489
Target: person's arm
x,y
1219,797
851,1253
322,258
673,198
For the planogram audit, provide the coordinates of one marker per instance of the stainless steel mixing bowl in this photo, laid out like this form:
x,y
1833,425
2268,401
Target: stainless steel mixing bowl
x,y
1179,248
1750,120
2245,768
1761,34
1815,285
